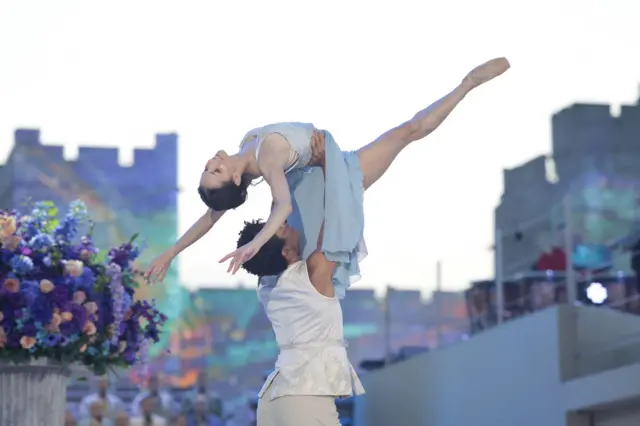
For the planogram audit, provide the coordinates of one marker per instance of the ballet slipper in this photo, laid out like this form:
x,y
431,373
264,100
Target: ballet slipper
x,y
486,72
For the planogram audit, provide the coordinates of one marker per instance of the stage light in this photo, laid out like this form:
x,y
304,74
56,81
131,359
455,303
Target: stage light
x,y
597,293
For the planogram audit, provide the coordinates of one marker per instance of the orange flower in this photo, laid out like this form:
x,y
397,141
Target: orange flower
x,y
27,342
56,320
66,316
91,307
7,226
11,243
52,328
89,328
79,297
83,348
12,285
46,286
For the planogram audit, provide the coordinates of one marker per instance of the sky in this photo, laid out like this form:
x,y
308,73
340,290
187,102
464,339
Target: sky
x,y
115,73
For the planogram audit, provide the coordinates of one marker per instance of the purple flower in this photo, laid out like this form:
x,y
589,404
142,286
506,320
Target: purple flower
x,y
41,310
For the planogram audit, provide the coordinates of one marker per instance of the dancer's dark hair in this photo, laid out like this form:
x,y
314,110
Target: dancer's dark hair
x,y
227,197
269,259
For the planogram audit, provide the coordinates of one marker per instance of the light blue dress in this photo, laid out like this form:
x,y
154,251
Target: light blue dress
x,y
342,212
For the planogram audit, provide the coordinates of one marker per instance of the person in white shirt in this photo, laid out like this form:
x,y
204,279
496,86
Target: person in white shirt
x,y
96,415
111,403
147,416
312,369
163,403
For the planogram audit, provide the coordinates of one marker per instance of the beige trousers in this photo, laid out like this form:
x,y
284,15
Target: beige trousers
x,y
297,410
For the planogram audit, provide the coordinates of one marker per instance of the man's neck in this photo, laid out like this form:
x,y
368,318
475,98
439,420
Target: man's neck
x,y
294,260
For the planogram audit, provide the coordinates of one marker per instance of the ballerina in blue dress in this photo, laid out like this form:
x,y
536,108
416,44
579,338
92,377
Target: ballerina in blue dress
x,y
279,154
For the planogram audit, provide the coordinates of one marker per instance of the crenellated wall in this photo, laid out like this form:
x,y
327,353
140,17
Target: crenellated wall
x,y
149,184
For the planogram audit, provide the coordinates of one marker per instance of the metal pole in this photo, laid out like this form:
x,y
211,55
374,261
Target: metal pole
x,y
499,276
387,328
570,275
437,300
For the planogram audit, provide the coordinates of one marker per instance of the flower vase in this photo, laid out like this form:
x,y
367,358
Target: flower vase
x,y
33,394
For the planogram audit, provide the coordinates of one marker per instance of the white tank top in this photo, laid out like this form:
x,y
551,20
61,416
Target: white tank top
x,y
309,330
297,134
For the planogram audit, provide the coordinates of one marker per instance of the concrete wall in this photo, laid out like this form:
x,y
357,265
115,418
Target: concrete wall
x,y
510,375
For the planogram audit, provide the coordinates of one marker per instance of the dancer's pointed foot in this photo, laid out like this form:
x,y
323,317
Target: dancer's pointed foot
x,y
486,72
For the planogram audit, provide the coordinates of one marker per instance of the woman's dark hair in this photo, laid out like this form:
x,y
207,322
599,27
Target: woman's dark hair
x,y
227,197
269,259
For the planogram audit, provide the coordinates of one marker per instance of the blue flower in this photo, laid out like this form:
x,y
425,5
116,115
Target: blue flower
x,y
78,211
21,264
52,339
41,242
86,280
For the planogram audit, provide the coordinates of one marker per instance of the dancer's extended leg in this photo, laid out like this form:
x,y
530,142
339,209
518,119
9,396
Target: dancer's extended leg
x,y
376,157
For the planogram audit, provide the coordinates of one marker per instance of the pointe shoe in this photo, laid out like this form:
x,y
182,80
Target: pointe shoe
x,y
485,72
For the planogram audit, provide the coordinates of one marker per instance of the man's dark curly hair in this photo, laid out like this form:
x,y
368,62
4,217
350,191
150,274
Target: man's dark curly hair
x,y
227,197
269,259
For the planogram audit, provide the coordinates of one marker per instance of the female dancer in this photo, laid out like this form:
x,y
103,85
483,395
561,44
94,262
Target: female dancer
x,y
272,151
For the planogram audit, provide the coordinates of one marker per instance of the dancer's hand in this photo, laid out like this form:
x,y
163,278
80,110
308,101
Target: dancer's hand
x,y
158,268
317,148
240,256
485,72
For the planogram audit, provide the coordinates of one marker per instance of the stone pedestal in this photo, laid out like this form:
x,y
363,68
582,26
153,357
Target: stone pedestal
x,y
33,394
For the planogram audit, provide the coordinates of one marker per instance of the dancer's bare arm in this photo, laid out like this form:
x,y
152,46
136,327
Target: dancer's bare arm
x,y
197,231
159,267
274,155
321,270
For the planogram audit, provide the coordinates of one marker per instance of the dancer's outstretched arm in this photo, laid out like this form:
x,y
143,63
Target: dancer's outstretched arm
x,y
159,267
376,157
274,155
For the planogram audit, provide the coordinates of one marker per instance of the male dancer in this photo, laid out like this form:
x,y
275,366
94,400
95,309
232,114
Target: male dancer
x,y
312,368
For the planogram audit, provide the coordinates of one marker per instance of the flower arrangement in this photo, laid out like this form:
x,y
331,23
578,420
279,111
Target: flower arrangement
x,y
63,299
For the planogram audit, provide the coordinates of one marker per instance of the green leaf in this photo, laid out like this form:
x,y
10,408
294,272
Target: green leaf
x,y
53,211
48,203
51,225
130,282
134,237
100,257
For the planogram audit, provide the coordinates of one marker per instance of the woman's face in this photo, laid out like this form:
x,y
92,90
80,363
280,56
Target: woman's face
x,y
216,172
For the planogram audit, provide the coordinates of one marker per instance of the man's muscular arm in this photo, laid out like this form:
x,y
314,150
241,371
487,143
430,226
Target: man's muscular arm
x,y
321,270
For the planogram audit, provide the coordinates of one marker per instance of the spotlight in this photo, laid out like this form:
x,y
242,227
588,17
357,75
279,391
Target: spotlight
x,y
597,293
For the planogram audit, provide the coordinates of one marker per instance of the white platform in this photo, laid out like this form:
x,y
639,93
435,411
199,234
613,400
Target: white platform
x,y
532,371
